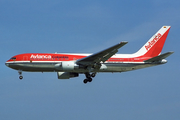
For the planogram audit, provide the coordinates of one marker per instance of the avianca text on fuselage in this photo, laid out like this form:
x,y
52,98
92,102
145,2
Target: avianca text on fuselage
x,y
40,56
71,65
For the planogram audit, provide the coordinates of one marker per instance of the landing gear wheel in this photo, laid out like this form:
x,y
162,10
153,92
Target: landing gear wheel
x,y
20,74
20,77
93,74
85,81
89,79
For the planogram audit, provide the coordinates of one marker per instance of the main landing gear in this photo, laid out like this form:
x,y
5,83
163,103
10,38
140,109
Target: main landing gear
x,y
20,75
88,77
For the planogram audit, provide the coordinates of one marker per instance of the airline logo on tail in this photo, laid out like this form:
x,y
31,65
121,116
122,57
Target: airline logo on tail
x,y
152,43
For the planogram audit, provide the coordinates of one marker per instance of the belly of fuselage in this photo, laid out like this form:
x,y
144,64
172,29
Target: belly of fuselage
x,y
50,67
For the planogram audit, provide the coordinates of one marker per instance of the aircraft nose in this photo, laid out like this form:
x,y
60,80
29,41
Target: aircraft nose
x,y
7,64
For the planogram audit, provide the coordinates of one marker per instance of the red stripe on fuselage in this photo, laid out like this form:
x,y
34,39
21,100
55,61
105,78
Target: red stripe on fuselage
x,y
66,57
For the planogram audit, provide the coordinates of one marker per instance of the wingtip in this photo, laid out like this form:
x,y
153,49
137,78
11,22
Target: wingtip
x,y
123,42
171,52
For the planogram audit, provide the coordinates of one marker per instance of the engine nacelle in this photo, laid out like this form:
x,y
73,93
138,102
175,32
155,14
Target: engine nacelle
x,y
67,66
66,75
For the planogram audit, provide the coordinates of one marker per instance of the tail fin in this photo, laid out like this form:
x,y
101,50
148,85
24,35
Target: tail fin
x,y
155,44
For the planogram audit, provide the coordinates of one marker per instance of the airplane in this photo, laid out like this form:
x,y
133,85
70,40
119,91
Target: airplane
x,y
71,65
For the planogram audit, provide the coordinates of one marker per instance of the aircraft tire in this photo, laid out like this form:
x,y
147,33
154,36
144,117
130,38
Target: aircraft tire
x,y
93,75
85,81
89,79
20,77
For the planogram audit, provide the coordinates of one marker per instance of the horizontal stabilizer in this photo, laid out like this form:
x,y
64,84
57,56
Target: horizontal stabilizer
x,y
160,57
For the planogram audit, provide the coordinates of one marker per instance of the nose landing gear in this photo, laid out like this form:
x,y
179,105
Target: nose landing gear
x,y
20,75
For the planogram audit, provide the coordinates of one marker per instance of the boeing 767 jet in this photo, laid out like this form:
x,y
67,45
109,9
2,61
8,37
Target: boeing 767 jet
x,y
71,65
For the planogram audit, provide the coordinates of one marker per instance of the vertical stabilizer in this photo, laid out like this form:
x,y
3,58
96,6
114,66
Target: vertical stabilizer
x,y
155,44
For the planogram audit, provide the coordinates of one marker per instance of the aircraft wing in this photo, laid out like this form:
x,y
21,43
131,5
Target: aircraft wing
x,y
160,57
101,56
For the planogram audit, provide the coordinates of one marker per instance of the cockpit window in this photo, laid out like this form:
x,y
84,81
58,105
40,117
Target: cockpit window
x,y
13,58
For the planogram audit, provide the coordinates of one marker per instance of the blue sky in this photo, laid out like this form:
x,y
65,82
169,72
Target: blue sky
x,y
88,27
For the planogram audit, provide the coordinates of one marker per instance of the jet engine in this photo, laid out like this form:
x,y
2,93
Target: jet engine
x,y
67,66
66,75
